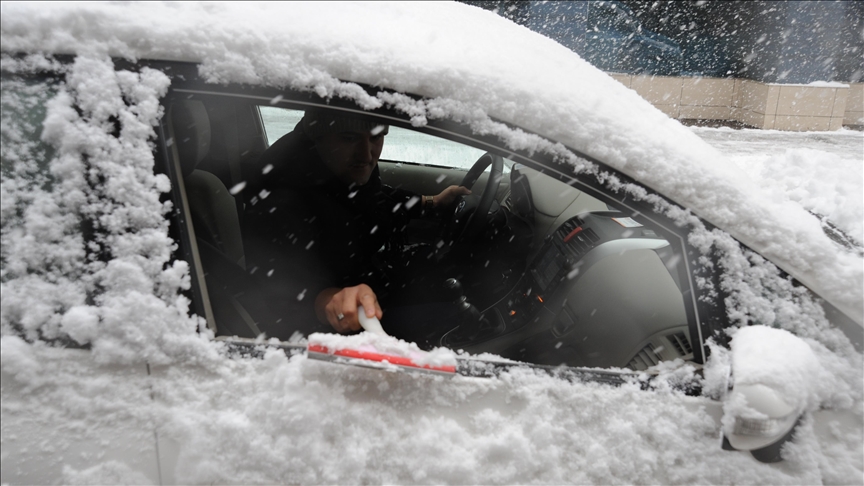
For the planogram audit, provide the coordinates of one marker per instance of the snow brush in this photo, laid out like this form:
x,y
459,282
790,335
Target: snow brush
x,y
376,349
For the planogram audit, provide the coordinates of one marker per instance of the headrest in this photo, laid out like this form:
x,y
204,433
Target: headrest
x,y
191,133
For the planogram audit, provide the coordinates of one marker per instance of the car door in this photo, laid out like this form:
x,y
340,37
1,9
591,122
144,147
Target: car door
x,y
606,280
52,428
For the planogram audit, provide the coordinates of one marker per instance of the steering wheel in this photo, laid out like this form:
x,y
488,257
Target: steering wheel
x,y
475,208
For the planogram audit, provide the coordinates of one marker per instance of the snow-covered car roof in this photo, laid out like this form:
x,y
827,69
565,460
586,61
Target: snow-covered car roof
x,y
469,65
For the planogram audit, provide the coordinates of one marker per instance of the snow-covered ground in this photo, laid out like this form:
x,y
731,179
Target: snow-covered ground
x,y
845,143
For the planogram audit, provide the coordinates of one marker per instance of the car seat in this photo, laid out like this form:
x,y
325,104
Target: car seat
x,y
213,208
214,217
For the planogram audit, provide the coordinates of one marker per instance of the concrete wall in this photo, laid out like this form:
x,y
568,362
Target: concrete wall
x,y
855,105
790,107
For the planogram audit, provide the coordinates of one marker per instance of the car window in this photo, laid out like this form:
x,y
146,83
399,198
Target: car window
x,y
279,121
29,209
556,273
23,106
402,145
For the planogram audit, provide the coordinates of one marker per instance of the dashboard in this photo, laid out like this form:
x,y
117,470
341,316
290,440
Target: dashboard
x,y
602,290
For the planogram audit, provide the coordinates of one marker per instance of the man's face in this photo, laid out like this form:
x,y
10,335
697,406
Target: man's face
x,y
351,156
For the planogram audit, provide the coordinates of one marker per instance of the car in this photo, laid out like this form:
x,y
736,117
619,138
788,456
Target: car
x,y
631,309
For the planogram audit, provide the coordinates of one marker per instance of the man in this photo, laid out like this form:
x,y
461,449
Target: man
x,y
326,232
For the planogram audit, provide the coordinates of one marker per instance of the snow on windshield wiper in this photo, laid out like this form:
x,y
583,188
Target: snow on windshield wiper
x,y
838,235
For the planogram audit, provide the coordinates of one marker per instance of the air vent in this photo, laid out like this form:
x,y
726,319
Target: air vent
x,y
569,226
681,343
580,243
644,359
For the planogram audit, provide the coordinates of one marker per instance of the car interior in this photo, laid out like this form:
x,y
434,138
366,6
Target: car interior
x,y
552,275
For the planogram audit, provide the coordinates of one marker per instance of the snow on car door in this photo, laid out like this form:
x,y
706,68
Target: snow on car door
x,y
71,413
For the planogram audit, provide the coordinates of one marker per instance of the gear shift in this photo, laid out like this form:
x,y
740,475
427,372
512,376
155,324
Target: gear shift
x,y
469,318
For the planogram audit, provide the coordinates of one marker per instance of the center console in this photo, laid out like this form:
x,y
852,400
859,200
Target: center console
x,y
602,283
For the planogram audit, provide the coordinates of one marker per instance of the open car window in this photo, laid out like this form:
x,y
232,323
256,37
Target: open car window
x,y
402,145
557,274
278,121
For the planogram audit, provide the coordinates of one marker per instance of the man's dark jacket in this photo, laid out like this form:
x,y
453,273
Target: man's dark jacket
x,y
305,230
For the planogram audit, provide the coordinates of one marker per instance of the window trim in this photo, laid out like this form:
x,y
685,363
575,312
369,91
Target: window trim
x,y
183,213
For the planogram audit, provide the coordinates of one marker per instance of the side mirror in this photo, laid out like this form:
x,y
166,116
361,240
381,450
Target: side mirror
x,y
757,419
773,372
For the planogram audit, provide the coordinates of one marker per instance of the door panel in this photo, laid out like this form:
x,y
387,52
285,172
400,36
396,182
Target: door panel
x,y
56,432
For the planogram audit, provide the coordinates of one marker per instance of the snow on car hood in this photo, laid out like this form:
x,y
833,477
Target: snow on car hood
x,y
453,52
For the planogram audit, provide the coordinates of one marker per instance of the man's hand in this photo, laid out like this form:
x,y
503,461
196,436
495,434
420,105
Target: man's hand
x,y
338,307
449,195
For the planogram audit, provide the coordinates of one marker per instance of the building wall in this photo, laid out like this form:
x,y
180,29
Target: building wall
x,y
791,107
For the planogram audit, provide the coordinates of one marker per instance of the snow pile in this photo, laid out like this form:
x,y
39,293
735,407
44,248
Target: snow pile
x,y
388,345
826,84
295,420
116,292
482,67
821,171
777,359
308,422
820,182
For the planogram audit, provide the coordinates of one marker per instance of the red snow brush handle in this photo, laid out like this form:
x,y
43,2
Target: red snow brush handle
x,y
381,358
